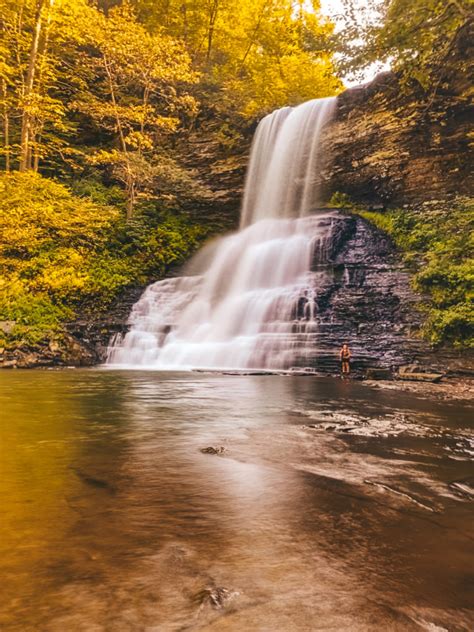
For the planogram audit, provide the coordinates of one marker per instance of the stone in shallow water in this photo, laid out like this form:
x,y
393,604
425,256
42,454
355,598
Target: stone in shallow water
x,y
464,487
213,450
378,374
217,597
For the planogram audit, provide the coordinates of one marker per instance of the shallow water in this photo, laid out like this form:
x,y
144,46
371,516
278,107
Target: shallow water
x,y
333,507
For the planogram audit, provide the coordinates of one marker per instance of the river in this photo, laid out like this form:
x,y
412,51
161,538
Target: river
x,y
332,507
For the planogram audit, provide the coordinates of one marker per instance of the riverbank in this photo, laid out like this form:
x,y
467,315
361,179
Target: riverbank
x,y
461,389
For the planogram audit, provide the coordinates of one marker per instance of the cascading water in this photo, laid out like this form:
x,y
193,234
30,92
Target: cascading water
x,y
249,299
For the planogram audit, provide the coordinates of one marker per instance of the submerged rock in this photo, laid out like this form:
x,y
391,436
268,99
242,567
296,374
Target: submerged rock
x,y
464,488
213,450
217,597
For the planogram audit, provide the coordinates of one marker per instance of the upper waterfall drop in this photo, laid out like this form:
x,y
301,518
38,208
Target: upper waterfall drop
x,y
285,161
252,303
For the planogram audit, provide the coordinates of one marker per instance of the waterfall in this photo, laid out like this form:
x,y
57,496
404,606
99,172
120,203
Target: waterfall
x,y
248,300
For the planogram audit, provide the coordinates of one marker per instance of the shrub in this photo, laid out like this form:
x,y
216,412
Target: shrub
x,y
438,244
60,252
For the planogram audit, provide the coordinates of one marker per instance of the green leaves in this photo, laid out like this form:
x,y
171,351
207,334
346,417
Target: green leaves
x,y
416,37
60,252
438,244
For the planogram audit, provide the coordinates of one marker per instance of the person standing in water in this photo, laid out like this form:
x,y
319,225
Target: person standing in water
x,y
345,356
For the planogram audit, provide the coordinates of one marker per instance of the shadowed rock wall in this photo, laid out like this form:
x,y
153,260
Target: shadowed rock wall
x,y
363,297
393,144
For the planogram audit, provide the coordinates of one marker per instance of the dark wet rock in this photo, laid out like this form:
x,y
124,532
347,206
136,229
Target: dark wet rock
x,y
66,350
302,371
93,481
378,374
363,296
76,352
394,143
213,450
94,331
29,361
244,372
217,597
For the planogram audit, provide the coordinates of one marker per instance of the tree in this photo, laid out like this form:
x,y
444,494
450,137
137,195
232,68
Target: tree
x,y
138,95
36,34
42,14
415,36
115,83
259,54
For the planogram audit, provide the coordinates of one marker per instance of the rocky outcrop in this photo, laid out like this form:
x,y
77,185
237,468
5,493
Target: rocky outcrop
x,y
364,297
65,350
392,143
218,154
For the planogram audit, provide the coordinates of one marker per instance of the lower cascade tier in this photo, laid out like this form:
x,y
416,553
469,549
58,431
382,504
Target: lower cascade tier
x,y
277,295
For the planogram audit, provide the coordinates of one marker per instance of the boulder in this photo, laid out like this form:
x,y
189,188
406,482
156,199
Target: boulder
x,y
9,364
378,374
213,450
29,361
217,597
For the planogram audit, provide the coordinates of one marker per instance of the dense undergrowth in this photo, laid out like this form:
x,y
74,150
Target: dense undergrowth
x,y
437,240
61,253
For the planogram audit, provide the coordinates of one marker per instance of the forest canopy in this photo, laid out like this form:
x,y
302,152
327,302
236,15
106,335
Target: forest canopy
x,y
107,84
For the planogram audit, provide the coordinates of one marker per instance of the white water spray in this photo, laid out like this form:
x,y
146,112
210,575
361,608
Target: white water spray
x,y
249,299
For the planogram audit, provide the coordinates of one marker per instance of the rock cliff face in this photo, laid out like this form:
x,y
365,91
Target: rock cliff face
x,y
364,297
220,164
390,143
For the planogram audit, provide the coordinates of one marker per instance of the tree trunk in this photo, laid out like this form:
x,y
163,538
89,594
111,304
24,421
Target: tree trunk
x,y
26,120
131,194
212,22
6,126
37,126
184,11
252,37
130,183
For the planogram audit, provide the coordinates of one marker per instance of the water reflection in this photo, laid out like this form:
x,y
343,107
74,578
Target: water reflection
x,y
114,519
